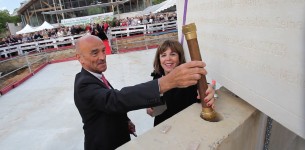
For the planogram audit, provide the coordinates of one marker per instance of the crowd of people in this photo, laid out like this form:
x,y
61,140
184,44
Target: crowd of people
x,y
40,35
93,28
145,19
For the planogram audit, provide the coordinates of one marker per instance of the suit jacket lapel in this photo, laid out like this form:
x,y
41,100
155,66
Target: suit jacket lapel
x,y
85,72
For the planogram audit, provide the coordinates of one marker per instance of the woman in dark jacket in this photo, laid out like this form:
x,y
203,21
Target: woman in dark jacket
x,y
99,32
168,56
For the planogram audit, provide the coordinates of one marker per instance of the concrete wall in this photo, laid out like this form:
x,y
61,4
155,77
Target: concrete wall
x,y
255,48
283,139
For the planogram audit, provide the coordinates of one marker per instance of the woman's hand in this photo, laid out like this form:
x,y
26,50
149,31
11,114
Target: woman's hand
x,y
132,128
150,111
209,99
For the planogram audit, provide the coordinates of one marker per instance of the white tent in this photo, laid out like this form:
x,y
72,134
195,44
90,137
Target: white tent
x,y
166,5
45,25
159,7
26,29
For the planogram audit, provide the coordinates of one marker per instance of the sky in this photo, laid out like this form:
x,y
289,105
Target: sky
x,y
10,5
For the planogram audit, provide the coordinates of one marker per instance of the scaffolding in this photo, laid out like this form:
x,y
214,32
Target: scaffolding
x,y
35,12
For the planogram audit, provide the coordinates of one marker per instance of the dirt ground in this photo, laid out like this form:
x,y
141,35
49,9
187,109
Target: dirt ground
x,y
39,59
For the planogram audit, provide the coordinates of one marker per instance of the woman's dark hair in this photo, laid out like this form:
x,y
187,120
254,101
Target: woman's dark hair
x,y
175,46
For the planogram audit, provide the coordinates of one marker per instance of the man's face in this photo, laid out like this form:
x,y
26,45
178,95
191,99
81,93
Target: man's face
x,y
92,56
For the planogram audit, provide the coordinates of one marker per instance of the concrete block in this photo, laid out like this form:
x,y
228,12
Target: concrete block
x,y
240,128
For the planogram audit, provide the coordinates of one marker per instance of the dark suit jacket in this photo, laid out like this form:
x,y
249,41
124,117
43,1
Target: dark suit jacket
x,y
104,111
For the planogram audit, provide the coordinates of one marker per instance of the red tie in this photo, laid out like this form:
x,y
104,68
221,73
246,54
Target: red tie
x,y
105,81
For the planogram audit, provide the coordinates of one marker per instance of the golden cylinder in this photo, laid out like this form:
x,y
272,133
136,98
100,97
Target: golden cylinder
x,y
191,37
189,31
208,113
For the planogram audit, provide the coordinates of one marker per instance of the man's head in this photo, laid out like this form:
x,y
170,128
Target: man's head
x,y
90,52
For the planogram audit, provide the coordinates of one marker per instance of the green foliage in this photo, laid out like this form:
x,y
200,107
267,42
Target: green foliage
x,y
94,11
155,2
6,17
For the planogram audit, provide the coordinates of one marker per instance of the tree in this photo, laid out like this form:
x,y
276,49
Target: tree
x,y
6,17
95,10
155,2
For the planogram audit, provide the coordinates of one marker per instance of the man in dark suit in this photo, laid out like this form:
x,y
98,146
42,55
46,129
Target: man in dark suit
x,y
104,109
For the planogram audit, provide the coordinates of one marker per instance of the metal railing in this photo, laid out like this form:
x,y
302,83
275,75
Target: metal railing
x,y
25,65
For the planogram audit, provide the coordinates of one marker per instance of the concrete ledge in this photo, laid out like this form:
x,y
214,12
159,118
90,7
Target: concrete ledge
x,y
189,131
22,80
40,67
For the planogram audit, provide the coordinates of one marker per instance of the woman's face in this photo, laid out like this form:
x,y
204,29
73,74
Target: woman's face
x,y
169,60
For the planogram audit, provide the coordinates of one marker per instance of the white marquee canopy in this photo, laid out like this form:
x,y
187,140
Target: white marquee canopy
x,y
45,25
159,7
26,29
29,29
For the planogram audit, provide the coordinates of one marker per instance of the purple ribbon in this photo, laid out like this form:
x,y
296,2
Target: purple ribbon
x,y
184,19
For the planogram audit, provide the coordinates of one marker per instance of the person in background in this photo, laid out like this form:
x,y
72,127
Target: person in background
x,y
73,30
106,26
45,34
168,56
99,32
60,33
24,38
37,35
53,33
88,28
68,31
104,109
3,42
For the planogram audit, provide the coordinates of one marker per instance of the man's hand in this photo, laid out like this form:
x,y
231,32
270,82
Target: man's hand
x,y
132,128
183,76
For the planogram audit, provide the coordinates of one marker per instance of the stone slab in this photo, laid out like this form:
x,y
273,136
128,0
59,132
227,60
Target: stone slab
x,y
189,132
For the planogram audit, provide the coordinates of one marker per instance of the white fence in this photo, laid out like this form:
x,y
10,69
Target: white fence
x,y
70,40
142,29
38,45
